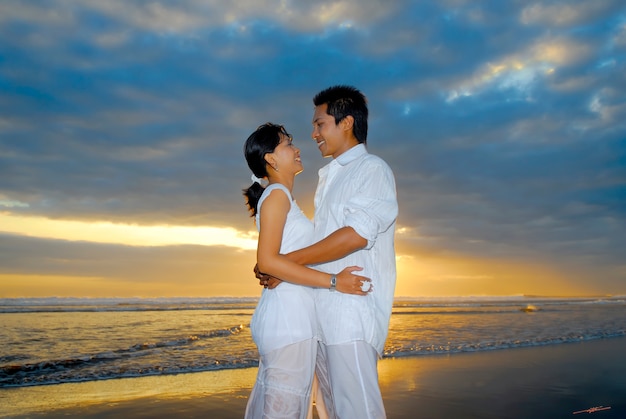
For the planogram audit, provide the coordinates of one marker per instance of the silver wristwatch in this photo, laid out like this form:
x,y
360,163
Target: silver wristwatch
x,y
333,283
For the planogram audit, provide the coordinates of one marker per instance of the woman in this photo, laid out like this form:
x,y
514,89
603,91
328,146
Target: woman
x,y
283,325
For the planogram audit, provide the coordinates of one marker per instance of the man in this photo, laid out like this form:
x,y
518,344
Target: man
x,y
355,212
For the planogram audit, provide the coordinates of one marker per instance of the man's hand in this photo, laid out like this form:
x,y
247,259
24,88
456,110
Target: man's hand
x,y
266,281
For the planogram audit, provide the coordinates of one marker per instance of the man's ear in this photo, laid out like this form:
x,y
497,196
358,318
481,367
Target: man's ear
x,y
347,123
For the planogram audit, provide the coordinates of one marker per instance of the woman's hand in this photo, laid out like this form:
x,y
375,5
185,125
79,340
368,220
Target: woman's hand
x,y
266,281
349,283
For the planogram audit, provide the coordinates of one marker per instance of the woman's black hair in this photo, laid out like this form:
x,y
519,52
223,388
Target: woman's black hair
x,y
261,142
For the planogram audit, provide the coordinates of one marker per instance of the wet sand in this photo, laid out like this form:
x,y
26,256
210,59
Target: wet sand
x,y
552,381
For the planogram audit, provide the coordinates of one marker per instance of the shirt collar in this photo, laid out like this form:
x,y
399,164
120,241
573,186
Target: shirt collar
x,y
351,154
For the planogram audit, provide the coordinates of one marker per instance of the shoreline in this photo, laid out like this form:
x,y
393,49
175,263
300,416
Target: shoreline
x,y
549,381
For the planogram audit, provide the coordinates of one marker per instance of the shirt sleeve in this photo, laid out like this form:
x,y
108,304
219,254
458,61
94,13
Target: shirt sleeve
x,y
373,208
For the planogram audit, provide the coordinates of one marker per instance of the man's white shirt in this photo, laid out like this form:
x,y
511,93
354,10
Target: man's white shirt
x,y
357,190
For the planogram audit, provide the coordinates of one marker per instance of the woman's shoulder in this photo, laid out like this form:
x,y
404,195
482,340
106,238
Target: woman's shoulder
x,y
276,186
273,187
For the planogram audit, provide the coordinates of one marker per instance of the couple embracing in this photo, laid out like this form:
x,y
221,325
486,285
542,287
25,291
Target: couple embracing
x,y
321,323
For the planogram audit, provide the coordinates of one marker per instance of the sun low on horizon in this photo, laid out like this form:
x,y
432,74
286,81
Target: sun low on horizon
x,y
230,273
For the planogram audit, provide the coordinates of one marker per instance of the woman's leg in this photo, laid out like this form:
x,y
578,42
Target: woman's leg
x,y
284,381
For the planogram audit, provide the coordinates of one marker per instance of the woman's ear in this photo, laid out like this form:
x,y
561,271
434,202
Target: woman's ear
x,y
271,160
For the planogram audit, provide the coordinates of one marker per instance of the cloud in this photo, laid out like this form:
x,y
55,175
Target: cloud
x,y
564,13
519,73
502,122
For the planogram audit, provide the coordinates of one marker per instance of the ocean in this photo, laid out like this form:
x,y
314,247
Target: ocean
x,y
63,340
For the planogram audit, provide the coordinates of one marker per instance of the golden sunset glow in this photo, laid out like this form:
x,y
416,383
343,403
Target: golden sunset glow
x,y
203,270
133,235
455,275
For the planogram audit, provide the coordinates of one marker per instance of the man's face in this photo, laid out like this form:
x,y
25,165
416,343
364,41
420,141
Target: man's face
x,y
332,139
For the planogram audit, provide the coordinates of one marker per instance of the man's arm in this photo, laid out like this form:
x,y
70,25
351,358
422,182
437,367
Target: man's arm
x,y
338,244
335,246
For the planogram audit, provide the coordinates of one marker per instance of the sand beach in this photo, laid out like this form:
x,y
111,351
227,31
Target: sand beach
x,y
555,381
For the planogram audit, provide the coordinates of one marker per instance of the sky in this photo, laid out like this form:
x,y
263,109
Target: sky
x,y
122,126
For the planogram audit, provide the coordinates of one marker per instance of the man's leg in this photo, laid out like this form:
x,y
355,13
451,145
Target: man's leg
x,y
322,392
353,373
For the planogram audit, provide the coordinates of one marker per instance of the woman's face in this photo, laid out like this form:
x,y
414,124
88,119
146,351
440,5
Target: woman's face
x,y
287,156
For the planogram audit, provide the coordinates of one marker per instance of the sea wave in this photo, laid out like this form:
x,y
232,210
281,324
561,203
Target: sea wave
x,y
59,304
118,363
92,367
159,337
417,350
71,304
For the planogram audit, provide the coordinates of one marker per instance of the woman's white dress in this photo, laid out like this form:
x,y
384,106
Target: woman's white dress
x,y
285,331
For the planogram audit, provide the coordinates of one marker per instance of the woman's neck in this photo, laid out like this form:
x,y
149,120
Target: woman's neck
x,y
287,181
